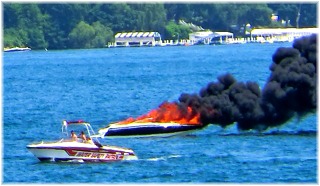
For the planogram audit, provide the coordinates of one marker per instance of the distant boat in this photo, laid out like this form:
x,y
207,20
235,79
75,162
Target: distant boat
x,y
16,49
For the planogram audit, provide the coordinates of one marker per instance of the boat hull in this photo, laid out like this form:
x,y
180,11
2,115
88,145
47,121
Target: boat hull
x,y
147,129
81,153
17,49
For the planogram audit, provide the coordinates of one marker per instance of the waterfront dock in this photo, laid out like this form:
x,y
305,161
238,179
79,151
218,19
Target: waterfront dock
x,y
266,35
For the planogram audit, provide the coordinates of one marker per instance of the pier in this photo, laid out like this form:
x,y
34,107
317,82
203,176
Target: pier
x,y
265,35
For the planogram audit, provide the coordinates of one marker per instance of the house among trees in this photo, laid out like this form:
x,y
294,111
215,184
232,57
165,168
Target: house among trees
x,y
137,39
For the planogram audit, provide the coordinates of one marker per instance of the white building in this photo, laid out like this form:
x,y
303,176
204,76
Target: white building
x,y
137,39
222,38
201,36
281,34
209,37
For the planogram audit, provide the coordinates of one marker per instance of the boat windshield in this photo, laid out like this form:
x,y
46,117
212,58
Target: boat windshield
x,y
77,127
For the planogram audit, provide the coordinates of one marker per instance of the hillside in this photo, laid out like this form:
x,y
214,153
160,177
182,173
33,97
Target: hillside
x,y
62,25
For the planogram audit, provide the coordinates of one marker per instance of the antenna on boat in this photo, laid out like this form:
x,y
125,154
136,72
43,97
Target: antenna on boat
x,y
64,127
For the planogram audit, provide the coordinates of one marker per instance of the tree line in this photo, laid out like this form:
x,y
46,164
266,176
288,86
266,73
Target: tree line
x,y
92,25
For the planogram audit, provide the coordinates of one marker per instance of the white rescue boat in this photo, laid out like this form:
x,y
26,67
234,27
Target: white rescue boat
x,y
79,150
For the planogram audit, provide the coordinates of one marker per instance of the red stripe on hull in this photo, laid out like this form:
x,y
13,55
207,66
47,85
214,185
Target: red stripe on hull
x,y
70,150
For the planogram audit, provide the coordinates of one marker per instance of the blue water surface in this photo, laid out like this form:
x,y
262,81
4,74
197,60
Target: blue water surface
x,y
41,88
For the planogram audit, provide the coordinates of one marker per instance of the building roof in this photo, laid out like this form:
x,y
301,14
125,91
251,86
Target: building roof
x,y
210,34
222,34
136,34
268,31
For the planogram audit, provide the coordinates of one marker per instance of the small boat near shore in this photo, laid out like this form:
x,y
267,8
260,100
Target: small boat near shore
x,y
147,129
79,150
17,49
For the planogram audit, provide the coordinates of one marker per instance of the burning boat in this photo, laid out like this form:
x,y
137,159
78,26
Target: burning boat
x,y
139,129
169,119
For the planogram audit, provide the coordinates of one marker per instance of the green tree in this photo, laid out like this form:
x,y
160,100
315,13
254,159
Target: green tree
x,y
118,16
308,15
62,18
175,31
14,38
259,15
155,17
102,35
10,13
32,21
290,13
27,28
81,36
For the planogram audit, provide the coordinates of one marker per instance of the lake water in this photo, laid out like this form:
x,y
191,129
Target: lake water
x,y
41,88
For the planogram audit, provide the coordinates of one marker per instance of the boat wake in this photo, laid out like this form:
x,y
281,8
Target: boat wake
x,y
162,158
73,161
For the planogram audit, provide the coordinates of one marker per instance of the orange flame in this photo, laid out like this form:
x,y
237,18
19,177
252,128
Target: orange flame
x,y
168,112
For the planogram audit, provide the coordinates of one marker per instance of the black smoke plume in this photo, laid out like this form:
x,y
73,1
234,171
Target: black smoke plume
x,y
290,90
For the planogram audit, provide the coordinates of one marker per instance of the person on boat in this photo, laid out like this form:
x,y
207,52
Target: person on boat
x,y
89,140
74,137
83,137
